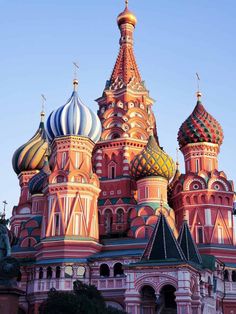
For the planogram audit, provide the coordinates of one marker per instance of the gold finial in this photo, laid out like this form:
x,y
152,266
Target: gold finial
x,y
177,159
199,94
75,80
42,114
126,3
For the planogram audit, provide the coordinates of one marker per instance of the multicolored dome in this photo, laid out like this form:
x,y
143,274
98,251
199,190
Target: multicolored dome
x,y
74,118
152,161
36,183
200,126
30,156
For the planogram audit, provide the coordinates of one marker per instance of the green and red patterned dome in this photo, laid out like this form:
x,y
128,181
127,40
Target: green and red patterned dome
x,y
152,162
199,127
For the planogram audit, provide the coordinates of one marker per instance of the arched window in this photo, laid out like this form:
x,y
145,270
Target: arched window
x,y
81,271
148,300
58,272
41,273
49,272
112,170
108,220
167,297
63,160
226,275
233,275
118,269
120,215
68,272
19,276
104,270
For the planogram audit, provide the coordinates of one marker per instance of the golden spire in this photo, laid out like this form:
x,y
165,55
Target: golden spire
x,y
199,94
75,80
126,3
42,114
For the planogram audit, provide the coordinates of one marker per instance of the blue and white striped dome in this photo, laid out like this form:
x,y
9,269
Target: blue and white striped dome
x,y
74,118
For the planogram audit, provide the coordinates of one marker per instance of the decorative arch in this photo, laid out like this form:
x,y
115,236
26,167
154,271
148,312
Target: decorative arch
x,y
120,215
144,232
145,211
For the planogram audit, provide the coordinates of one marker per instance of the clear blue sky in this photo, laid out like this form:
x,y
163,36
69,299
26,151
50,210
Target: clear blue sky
x,y
173,40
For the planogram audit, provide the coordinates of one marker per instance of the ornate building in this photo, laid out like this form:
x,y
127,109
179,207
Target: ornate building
x,y
101,201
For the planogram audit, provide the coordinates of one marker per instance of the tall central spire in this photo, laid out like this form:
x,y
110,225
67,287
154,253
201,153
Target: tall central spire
x,y
125,70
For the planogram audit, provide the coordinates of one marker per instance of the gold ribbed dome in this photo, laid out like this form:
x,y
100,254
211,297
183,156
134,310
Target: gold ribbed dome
x,y
126,17
152,161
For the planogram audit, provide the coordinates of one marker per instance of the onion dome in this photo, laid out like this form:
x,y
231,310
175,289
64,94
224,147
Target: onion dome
x,y
30,156
126,17
200,126
152,161
36,183
74,118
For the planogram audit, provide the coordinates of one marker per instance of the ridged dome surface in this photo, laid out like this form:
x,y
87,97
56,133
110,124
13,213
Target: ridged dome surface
x,y
200,126
30,156
74,118
126,17
37,182
152,161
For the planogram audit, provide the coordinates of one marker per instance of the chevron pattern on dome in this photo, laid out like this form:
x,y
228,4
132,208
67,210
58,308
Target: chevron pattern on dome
x,y
152,161
200,126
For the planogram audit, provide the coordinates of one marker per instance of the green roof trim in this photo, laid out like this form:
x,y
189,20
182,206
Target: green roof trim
x,y
208,261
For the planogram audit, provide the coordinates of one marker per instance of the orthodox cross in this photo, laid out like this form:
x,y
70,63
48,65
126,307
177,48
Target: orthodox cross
x,y
76,67
43,107
4,208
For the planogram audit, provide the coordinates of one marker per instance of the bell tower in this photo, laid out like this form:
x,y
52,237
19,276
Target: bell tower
x,y
203,195
125,111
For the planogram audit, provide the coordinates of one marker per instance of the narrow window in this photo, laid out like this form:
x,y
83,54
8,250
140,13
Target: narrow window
x,y
197,165
56,230
63,160
220,235
199,234
230,219
77,160
76,224
112,172
208,216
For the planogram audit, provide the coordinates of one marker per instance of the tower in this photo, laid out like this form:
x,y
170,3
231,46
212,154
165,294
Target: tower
x,y
204,195
127,119
70,219
27,161
152,169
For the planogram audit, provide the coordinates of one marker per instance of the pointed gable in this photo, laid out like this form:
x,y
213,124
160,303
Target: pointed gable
x,y
188,245
162,244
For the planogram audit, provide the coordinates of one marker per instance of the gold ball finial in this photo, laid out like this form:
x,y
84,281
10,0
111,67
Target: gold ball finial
x,y
75,83
199,95
126,16
42,115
